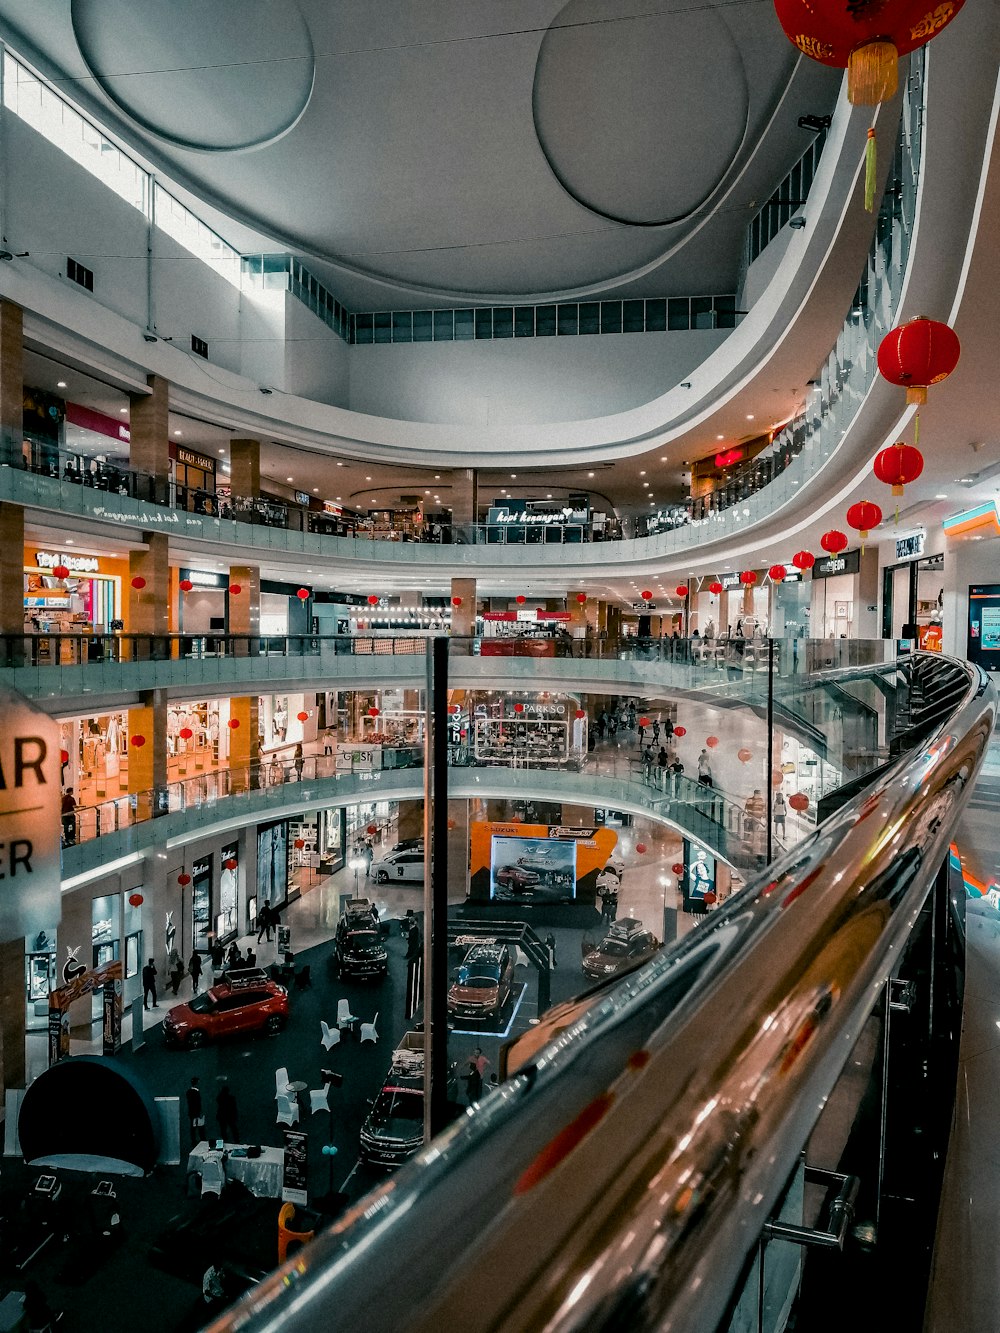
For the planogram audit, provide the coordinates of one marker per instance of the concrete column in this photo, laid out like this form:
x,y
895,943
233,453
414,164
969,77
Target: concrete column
x,y
410,823
244,467
244,606
244,743
463,618
866,625
147,608
11,568
578,614
11,370
149,450
12,1062
464,496
614,620
147,763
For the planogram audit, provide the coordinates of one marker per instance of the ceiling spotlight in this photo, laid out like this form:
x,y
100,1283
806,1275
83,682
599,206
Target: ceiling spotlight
x,y
367,478
720,437
749,416
177,432
61,384
590,474
289,478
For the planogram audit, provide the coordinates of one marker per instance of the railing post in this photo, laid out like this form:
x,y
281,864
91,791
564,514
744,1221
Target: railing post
x,y
770,743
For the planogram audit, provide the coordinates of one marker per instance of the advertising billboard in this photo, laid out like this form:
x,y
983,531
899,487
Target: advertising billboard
x,y
514,862
699,879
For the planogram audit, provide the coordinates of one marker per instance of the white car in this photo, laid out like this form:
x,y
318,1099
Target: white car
x,y
615,866
403,867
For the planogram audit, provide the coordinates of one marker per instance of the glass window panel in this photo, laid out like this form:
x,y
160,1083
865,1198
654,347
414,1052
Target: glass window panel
x,y
656,316
383,326
545,321
611,316
725,312
503,321
444,326
484,322
464,327
590,317
568,319
524,321
422,326
633,316
678,314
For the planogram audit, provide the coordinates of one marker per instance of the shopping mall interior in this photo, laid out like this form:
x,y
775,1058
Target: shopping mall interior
x,y
406,921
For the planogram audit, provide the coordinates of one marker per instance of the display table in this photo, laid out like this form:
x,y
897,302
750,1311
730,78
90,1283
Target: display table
x,y
262,1175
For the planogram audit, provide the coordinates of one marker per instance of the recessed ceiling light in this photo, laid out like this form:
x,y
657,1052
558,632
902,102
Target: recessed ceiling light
x,y
177,432
549,496
123,411
222,453
590,474
338,497
367,478
646,484
427,492
720,437
749,416
315,490
940,496
437,476
60,384
340,465
69,542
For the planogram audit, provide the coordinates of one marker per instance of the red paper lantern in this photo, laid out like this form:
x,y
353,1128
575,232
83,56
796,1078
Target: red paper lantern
x,y
581,597
231,863
919,353
803,560
185,733
712,742
799,801
677,868
681,590
865,37
680,731
61,571
580,714
833,541
136,900
303,717
299,843
456,601
864,516
138,583
776,573
715,588
185,585
641,848
235,589
520,599
183,879
744,755
303,594
234,724
372,599
138,742
644,722
371,830
454,708
777,777
373,711
898,465
647,596
519,708
64,756
748,578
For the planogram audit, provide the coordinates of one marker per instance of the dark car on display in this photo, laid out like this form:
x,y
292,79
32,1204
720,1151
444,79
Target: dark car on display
x,y
393,1129
242,1003
484,982
626,944
517,878
358,950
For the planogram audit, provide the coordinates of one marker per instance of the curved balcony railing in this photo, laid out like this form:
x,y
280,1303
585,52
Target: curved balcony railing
x,y
634,1160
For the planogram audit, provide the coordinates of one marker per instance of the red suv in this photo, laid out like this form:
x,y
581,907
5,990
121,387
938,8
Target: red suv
x,y
242,1002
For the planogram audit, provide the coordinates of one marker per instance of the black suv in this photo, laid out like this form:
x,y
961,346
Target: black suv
x,y
358,949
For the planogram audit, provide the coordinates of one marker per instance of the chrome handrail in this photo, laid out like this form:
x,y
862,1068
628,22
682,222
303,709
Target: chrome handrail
x,y
622,1176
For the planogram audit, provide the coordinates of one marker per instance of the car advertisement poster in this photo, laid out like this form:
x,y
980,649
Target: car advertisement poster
x,y
537,863
983,646
293,1183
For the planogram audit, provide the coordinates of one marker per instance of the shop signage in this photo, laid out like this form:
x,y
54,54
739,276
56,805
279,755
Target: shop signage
x,y
533,518
729,581
358,758
643,606
500,615
87,419
202,579
301,497
192,459
553,615
848,563
907,548
30,818
331,507
77,564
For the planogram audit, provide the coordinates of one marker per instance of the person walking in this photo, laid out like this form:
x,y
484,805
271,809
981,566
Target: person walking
x,y
298,759
218,955
149,984
227,1114
662,764
668,729
176,973
195,1112
473,1081
550,944
69,817
194,971
656,731
778,812
642,734
264,922
705,769
368,852
480,1061
328,741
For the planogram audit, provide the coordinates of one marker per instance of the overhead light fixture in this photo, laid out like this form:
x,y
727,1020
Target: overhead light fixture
x,y
222,453
289,478
123,411
749,416
60,384
177,432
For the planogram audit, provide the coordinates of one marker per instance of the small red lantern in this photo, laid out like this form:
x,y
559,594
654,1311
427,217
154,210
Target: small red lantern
x,y
898,465
456,601
647,596
230,864
185,585
581,597
452,824
373,711
748,578
235,589
681,590
711,898
138,742
777,777
303,717
234,724
799,801
744,755
677,868
715,588
372,599
712,742
641,848
64,756
520,599
183,879
833,541
918,354
299,843
61,571
185,733
454,708
776,573
680,731
519,708
303,594
580,714
864,516
644,722
138,583
135,900
803,560
371,830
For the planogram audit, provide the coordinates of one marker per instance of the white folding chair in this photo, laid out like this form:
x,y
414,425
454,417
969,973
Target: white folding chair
x,y
212,1176
319,1099
288,1109
280,1082
368,1032
330,1035
345,1019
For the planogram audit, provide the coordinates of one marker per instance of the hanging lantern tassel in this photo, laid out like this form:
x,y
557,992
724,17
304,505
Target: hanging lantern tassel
x,y
872,73
871,164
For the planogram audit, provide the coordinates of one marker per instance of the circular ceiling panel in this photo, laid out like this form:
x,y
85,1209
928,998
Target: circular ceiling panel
x,y
213,75
663,96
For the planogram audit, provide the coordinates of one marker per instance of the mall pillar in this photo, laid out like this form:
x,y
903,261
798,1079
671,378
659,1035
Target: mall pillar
x,y
11,371
147,762
463,618
410,820
12,1062
614,622
865,624
577,614
244,743
244,606
11,568
148,605
149,429
464,498
244,467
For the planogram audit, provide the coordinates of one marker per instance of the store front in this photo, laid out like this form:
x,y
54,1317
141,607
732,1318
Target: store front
x,y
95,448
192,478
96,750
87,599
193,736
834,586
791,601
913,594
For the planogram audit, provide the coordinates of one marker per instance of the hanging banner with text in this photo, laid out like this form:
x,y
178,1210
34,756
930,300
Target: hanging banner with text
x,y
30,818
294,1187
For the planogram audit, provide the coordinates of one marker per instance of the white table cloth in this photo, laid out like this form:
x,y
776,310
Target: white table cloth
x,y
262,1175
